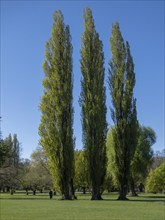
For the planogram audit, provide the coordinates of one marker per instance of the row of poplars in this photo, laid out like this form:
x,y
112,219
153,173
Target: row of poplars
x,y
56,127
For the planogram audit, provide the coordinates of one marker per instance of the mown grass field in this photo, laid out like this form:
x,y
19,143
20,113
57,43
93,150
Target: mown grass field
x,y
40,207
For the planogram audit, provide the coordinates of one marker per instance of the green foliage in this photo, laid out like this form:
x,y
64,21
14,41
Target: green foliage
x,y
93,104
7,147
141,161
123,112
36,176
38,157
55,129
143,156
4,151
111,167
9,162
81,170
16,151
156,180
24,170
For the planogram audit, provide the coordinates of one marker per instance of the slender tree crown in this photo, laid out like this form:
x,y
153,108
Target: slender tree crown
x,y
93,103
56,127
123,112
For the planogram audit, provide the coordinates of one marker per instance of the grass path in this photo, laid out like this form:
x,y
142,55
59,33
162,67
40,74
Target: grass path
x,y
40,207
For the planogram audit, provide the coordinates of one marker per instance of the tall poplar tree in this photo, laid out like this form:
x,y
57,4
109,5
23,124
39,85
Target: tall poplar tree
x,y
56,127
123,112
16,151
93,104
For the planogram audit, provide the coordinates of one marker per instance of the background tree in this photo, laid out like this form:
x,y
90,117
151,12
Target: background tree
x,y
37,177
8,142
143,157
34,175
155,182
39,166
39,157
81,171
25,168
93,104
123,112
9,170
16,151
55,129
141,162
111,166
4,151
158,159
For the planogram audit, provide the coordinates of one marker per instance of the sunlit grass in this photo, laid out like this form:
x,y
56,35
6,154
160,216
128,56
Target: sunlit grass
x,y
23,207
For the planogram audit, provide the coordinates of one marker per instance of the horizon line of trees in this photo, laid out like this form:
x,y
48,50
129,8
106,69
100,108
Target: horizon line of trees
x,y
34,175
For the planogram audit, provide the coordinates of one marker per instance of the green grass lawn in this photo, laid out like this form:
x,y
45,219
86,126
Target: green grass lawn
x,y
40,207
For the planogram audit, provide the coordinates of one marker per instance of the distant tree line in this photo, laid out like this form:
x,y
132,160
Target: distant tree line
x,y
18,173
33,175
10,149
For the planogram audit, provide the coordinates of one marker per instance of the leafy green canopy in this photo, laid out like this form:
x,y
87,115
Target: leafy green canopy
x,y
143,156
81,171
141,161
156,180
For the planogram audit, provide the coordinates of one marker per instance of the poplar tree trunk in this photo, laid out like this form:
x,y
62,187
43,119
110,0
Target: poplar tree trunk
x,y
123,190
132,187
84,190
96,195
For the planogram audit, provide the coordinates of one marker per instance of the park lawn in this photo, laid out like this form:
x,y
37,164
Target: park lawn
x,y
40,207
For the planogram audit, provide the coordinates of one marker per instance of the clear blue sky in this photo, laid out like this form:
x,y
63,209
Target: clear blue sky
x,y
26,26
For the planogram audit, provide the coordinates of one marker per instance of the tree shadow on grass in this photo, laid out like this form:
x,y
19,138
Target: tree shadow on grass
x,y
155,197
149,200
159,199
146,198
138,200
28,197
24,198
